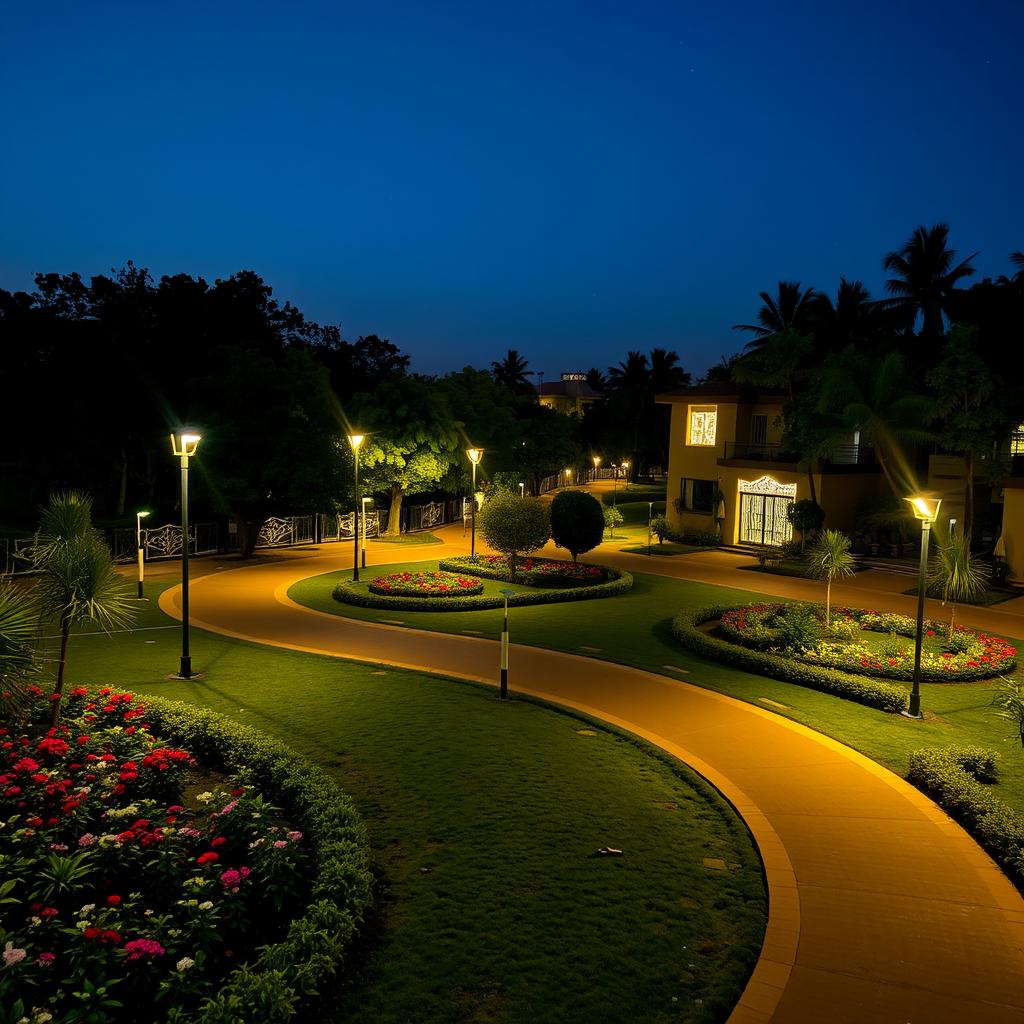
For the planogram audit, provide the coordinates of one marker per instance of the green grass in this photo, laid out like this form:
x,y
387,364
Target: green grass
x,y
634,628
483,817
666,548
412,539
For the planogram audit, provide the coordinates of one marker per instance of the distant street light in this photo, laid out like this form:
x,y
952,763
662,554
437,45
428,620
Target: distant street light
x,y
474,455
625,473
356,440
184,445
597,462
362,559
522,489
503,690
927,511
568,475
650,516
139,516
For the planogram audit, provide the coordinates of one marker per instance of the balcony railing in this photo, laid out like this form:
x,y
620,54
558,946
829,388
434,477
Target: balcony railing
x,y
759,452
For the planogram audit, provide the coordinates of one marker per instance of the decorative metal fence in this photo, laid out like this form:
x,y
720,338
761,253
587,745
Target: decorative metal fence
x,y
279,533
165,542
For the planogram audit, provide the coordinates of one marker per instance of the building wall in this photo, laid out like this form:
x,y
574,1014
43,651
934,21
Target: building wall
x,y
839,494
1013,529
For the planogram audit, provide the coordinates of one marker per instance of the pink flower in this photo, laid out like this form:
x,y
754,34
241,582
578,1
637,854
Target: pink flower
x,y
294,836
280,844
12,956
139,948
46,958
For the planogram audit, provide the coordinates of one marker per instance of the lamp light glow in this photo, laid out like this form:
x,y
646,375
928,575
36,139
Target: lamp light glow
x,y
356,440
184,443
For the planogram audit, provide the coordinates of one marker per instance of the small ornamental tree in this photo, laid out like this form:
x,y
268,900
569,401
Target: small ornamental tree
x,y
612,518
577,522
829,560
513,526
807,516
957,575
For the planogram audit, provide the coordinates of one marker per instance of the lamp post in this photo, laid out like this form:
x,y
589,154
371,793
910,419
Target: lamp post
x,y
362,558
927,511
474,455
625,473
356,440
597,462
568,475
139,516
522,489
650,516
503,690
184,445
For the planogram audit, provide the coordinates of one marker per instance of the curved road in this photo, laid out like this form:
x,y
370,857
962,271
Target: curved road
x,y
880,907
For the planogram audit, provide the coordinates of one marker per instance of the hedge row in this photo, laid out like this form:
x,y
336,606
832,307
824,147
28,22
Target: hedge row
x,y
955,779
274,986
872,692
348,592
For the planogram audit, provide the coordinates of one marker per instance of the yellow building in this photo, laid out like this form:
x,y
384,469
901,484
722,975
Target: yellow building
x,y
571,395
729,470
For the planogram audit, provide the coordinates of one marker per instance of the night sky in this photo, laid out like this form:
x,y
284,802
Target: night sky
x,y
571,180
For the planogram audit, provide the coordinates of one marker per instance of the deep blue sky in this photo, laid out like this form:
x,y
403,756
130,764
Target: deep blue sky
x,y
572,180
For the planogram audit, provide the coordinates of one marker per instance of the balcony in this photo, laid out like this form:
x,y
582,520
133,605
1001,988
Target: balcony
x,y
843,458
752,452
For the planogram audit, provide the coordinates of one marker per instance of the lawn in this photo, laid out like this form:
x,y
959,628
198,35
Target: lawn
x,y
484,818
634,628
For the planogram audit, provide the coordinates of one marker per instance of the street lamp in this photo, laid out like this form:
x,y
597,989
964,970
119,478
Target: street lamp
x,y
568,475
927,511
356,440
597,462
366,501
503,690
139,516
184,445
625,473
474,455
650,516
522,489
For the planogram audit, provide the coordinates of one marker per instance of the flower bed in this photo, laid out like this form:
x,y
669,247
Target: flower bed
x,y
347,592
425,584
534,572
122,887
970,654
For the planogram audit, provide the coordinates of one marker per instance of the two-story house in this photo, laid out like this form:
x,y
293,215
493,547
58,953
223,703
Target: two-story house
x,y
728,467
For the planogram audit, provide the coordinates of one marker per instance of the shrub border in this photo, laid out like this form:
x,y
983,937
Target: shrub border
x,y
318,940
529,578
954,778
348,592
862,689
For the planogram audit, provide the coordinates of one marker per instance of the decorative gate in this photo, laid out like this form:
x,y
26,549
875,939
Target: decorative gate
x,y
763,505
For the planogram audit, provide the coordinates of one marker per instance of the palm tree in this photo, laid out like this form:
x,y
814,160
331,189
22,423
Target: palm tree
x,y
629,386
829,560
883,411
511,372
76,581
790,309
18,619
925,278
851,320
957,574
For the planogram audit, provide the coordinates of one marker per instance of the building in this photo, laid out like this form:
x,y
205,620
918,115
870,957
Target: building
x,y
729,470
570,395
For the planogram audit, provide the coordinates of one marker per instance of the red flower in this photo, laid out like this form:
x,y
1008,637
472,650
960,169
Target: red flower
x,y
219,841
206,858
113,901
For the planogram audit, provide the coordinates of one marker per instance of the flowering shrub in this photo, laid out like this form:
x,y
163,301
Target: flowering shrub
x,y
535,572
119,888
965,656
425,584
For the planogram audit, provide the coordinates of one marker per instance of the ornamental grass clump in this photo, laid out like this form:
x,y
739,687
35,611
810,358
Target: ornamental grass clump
x,y
120,889
957,575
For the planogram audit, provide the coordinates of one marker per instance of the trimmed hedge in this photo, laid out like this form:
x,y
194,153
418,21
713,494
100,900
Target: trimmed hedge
x,y
348,592
475,566
955,777
289,973
862,689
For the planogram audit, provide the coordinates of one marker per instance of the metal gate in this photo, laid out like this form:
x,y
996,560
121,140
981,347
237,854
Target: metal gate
x,y
763,519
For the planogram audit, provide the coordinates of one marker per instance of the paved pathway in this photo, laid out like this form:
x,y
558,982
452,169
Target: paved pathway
x,y
881,908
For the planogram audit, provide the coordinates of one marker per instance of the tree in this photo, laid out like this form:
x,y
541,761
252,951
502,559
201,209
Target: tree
x,y
612,518
1008,702
790,309
970,423
76,578
511,373
19,617
807,516
577,522
412,444
925,277
513,526
829,560
957,575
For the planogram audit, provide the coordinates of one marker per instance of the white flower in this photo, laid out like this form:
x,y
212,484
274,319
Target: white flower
x,y
185,963
205,798
206,905
12,956
87,909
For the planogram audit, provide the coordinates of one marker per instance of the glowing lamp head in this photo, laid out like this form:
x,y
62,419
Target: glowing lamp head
x,y
185,442
475,455
925,509
597,461
356,440
142,515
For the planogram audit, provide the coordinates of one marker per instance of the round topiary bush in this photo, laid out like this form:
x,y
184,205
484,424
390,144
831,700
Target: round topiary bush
x,y
513,525
577,522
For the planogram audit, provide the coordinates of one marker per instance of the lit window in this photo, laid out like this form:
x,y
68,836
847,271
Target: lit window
x,y
1017,440
703,420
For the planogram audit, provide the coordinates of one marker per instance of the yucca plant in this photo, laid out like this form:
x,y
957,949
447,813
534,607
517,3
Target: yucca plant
x,y
19,617
77,581
830,559
956,575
